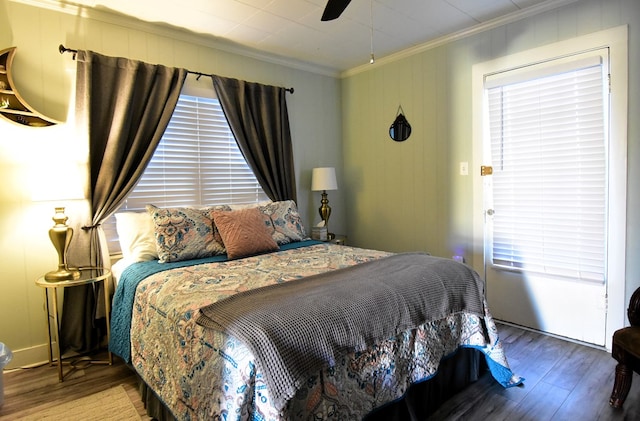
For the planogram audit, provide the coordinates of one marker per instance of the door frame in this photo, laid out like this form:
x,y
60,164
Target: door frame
x,y
616,40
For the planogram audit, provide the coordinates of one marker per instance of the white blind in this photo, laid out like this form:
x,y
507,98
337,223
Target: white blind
x,y
548,149
197,163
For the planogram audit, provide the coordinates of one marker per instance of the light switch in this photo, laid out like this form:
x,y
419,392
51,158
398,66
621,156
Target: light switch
x,y
464,168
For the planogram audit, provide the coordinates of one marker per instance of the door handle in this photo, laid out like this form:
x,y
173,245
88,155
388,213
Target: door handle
x,y
490,212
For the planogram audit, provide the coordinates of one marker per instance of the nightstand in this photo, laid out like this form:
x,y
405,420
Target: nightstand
x,y
88,275
339,239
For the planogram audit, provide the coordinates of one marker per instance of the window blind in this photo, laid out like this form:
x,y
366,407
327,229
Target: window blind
x,y
197,163
548,151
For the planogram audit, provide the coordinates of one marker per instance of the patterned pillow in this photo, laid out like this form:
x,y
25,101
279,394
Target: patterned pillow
x,y
184,233
244,232
287,224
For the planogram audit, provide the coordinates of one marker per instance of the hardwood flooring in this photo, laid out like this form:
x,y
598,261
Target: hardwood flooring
x,y
564,381
38,387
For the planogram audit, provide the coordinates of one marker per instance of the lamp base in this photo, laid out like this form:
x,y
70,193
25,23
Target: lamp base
x,y
62,275
60,235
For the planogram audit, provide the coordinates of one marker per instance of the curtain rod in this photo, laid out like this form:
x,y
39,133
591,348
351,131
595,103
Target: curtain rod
x,y
64,49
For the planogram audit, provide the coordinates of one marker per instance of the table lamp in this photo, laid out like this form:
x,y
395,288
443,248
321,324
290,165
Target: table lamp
x,y
61,235
323,179
64,185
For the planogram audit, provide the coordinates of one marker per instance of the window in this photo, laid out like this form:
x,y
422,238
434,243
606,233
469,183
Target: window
x,y
197,163
548,144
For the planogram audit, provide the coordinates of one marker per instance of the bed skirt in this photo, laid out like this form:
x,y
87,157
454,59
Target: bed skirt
x,y
421,400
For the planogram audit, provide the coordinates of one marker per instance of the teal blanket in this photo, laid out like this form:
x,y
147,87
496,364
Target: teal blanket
x,y
122,305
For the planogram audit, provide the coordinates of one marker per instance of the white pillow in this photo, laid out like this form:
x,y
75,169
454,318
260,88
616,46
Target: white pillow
x,y
136,236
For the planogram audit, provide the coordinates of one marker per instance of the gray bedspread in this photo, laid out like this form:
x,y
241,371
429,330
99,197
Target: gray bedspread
x,y
302,325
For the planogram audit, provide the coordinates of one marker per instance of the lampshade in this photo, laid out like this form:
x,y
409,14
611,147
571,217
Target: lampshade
x,y
58,182
324,178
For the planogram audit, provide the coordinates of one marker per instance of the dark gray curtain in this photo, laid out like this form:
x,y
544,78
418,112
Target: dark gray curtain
x,y
126,105
258,117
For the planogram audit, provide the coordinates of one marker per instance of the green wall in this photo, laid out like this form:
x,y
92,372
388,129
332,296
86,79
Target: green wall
x,y
410,195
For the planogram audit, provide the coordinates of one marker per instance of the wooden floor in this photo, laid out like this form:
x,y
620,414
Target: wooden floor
x,y
39,387
564,381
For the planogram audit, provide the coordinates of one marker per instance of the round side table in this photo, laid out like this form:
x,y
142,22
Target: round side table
x,y
88,275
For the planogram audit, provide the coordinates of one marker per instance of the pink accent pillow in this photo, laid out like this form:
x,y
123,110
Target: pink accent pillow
x,y
244,232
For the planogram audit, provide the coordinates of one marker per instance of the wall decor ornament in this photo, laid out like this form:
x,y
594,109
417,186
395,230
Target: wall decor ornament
x,y
12,106
400,129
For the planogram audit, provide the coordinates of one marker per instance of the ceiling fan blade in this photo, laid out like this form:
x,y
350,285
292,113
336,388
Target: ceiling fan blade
x,y
334,9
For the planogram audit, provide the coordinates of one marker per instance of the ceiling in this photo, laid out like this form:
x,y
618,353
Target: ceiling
x,y
291,29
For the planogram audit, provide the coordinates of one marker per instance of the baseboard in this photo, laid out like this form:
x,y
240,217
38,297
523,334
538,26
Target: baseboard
x,y
29,357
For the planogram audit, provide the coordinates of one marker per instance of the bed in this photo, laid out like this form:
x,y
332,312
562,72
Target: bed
x,y
210,319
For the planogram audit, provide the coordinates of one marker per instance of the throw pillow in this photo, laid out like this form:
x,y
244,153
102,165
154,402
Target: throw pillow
x,y
287,223
244,232
184,233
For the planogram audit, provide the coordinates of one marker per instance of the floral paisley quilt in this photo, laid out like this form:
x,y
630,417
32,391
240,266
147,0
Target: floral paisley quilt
x,y
201,373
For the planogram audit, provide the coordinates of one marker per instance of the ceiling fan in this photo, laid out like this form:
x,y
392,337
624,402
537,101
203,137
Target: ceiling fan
x,y
334,9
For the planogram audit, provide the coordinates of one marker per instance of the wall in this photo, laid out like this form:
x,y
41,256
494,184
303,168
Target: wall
x,y
410,195
46,80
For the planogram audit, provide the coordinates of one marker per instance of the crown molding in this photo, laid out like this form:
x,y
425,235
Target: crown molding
x,y
210,41
166,30
485,26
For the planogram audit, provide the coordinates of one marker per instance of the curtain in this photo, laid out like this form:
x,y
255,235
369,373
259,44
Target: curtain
x,y
126,105
258,117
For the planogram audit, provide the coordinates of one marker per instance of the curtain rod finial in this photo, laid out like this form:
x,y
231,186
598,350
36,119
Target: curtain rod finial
x,y
64,49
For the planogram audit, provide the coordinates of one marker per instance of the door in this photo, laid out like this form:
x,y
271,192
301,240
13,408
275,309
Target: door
x,y
530,296
546,196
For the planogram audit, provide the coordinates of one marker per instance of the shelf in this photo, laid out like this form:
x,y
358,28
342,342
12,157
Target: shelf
x,y
12,111
17,110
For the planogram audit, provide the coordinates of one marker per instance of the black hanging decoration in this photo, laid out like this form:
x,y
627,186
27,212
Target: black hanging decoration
x,y
400,129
